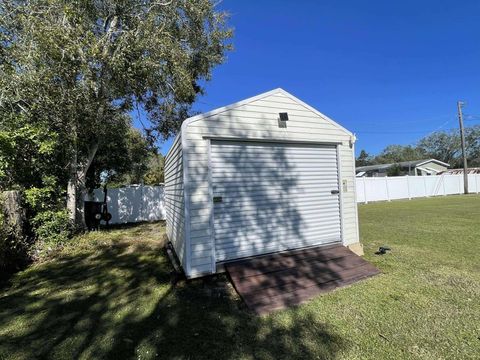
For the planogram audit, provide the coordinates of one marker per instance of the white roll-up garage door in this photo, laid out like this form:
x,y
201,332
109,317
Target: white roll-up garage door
x,y
271,197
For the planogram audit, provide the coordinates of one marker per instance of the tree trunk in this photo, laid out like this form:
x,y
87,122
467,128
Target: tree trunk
x,y
82,188
11,206
72,188
14,232
76,188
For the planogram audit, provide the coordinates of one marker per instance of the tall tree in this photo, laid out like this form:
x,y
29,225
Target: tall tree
x,y
443,146
363,159
155,172
76,66
399,153
472,139
121,160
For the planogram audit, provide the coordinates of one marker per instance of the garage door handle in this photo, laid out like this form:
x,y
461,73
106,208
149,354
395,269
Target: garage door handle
x,y
334,192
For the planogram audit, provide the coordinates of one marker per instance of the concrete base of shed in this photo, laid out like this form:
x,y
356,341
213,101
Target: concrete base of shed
x,y
356,248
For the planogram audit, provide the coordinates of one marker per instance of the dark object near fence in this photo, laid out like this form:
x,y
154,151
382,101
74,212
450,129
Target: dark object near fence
x,y
96,211
382,250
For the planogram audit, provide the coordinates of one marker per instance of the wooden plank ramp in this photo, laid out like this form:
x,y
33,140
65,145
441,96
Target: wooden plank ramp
x,y
276,281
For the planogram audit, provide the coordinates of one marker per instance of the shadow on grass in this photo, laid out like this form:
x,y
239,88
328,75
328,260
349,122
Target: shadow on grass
x,y
116,301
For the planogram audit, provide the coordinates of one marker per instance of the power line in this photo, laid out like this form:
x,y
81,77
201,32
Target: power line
x,y
464,153
470,117
427,132
403,122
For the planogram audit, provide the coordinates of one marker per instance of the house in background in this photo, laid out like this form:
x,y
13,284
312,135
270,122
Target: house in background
x,y
415,168
470,171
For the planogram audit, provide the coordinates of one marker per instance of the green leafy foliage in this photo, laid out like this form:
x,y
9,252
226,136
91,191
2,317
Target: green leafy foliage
x,y
399,153
441,145
28,150
122,161
53,229
71,73
446,146
363,159
395,170
155,172
44,197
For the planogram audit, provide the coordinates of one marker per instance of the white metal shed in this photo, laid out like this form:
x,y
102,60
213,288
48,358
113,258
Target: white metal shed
x,y
263,175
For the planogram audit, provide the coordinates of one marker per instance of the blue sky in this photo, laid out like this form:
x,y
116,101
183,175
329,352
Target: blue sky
x,y
390,71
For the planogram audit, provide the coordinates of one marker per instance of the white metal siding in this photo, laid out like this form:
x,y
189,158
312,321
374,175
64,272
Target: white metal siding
x,y
275,197
257,120
174,198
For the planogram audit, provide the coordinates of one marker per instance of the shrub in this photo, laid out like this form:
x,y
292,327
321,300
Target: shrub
x,y
53,229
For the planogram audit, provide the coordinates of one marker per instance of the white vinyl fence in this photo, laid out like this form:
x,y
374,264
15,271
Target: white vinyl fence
x,y
134,203
408,187
146,203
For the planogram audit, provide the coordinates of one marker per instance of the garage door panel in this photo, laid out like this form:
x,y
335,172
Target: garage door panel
x,y
234,251
285,236
259,207
271,176
268,168
270,204
240,213
283,239
272,183
267,149
223,222
273,196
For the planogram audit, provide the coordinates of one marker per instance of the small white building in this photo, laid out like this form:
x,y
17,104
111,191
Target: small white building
x,y
266,174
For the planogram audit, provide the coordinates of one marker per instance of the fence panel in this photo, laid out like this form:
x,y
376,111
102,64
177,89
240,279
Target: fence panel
x,y
134,203
408,187
146,203
397,188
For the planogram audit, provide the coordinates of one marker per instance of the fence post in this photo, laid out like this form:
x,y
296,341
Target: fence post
x,y
444,188
365,200
476,181
142,209
408,188
386,188
425,185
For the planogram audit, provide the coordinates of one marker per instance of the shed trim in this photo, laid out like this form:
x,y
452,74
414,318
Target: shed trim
x,y
277,140
210,205
357,231
187,250
340,193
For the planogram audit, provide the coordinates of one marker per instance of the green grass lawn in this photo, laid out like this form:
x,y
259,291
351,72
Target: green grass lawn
x,y
108,295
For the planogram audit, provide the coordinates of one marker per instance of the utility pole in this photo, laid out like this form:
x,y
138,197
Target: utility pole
x,y
464,155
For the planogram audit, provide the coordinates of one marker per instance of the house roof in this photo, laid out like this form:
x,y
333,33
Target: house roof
x,y
413,163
